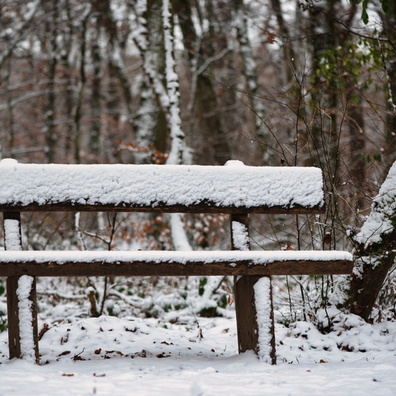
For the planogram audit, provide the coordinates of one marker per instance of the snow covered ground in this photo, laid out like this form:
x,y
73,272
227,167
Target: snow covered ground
x,y
111,356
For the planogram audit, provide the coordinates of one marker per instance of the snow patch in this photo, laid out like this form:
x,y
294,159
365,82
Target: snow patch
x,y
381,218
12,235
25,305
240,236
262,293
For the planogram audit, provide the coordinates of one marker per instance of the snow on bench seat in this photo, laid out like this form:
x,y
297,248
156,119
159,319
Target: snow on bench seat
x,y
160,187
167,263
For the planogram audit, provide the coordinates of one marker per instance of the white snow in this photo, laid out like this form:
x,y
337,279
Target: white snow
x,y
262,297
379,222
12,235
25,317
154,184
151,357
240,236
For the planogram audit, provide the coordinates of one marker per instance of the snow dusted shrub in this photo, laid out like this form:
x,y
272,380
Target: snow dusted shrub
x,y
306,297
299,298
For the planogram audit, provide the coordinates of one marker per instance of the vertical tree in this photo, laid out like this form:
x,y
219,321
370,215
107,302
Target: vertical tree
x,y
204,48
50,9
255,101
388,54
96,91
149,38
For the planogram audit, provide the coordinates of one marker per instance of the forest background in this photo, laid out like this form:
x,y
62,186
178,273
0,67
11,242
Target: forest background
x,y
267,82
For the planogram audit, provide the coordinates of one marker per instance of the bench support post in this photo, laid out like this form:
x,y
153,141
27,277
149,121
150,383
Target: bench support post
x,y
14,345
253,301
21,344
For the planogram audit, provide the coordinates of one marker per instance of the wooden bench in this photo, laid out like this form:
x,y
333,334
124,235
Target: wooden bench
x,y
233,189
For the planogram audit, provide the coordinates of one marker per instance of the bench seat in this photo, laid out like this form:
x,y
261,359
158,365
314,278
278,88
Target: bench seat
x,y
173,263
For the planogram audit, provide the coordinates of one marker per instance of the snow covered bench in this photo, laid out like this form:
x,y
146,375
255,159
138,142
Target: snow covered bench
x,y
233,189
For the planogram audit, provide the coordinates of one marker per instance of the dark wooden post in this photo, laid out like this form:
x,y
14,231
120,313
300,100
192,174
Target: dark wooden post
x,y
249,337
13,241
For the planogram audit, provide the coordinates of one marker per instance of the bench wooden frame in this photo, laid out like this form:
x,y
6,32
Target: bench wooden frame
x,y
236,190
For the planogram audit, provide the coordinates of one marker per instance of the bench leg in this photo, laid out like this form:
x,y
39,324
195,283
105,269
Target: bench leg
x,y
22,318
254,314
14,338
21,299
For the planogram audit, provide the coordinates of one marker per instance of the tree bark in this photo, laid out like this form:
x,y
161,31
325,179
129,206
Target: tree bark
x,y
389,64
51,32
211,144
374,250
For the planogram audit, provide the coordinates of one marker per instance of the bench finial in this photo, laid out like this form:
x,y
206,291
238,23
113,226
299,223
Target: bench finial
x,y
8,162
234,163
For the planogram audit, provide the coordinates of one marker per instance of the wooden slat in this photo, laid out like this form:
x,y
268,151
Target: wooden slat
x,y
188,268
14,339
201,207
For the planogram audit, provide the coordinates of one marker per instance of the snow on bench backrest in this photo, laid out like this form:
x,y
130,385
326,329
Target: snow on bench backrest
x,y
166,188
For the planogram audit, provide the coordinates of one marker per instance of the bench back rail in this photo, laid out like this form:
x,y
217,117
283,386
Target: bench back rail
x,y
233,188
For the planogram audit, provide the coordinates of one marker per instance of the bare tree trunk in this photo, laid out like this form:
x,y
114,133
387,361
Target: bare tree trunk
x,y
211,144
177,154
95,131
118,78
256,103
355,121
153,117
10,110
288,50
51,32
389,31
80,91
68,76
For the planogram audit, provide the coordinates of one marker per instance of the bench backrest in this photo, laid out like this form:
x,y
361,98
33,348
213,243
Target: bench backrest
x,y
234,188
